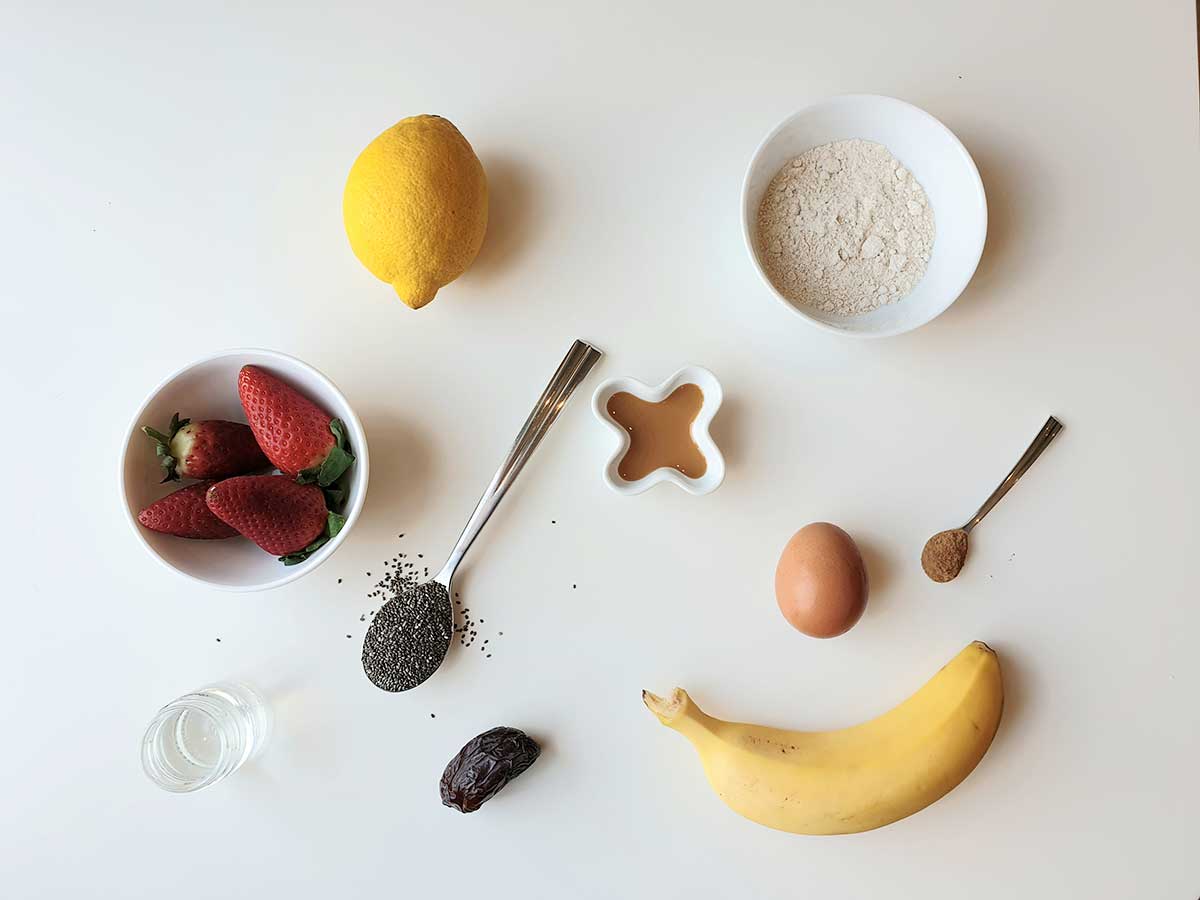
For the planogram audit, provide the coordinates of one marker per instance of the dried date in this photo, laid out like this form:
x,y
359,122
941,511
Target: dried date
x,y
485,765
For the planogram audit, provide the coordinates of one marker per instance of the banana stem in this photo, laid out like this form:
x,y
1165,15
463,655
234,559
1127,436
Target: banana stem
x,y
678,711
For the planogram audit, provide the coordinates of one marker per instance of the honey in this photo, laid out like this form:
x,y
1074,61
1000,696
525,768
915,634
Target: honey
x,y
660,434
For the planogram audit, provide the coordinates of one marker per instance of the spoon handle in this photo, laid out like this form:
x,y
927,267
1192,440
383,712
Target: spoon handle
x,y
1049,431
571,372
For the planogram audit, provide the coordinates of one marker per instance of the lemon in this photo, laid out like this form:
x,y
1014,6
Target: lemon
x,y
415,207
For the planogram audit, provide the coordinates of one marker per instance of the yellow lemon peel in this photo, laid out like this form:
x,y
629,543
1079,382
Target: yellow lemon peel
x,y
415,207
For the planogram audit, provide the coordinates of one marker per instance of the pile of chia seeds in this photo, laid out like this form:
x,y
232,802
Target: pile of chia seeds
x,y
408,638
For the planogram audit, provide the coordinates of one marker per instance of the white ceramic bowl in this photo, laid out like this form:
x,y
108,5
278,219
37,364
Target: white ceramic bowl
x,y
931,152
207,389
714,474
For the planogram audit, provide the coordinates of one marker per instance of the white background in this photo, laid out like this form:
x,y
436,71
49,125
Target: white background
x,y
171,185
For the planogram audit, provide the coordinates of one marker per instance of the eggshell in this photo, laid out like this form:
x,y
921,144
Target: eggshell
x,y
821,581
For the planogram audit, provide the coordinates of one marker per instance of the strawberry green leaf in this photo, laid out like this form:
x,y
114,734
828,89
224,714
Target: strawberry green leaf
x,y
300,556
339,459
334,465
334,524
156,435
162,445
339,432
337,462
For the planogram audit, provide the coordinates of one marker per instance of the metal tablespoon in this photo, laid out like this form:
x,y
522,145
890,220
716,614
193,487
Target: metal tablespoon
x,y
945,552
408,638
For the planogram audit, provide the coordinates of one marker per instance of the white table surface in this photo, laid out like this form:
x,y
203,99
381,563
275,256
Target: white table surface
x,y
172,185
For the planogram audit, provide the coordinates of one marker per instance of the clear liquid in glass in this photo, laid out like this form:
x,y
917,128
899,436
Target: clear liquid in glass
x,y
203,736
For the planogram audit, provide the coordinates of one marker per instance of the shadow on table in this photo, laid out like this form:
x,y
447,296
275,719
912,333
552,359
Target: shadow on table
x,y
1007,201
512,216
401,471
727,430
1018,689
880,571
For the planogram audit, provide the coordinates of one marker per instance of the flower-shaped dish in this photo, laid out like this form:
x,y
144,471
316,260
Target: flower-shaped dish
x,y
713,475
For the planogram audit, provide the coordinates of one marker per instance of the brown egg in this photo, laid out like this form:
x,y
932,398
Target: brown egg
x,y
821,582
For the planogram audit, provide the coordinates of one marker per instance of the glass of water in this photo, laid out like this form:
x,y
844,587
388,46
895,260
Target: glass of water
x,y
203,736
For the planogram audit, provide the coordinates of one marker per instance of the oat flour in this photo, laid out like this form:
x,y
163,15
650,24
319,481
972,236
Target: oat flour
x,y
845,228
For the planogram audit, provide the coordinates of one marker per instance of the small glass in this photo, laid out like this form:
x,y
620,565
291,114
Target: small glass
x,y
203,736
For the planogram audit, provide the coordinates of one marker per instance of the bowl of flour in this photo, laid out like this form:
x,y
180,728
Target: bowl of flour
x,y
864,214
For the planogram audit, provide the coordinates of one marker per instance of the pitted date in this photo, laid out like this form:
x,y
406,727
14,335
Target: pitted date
x,y
485,765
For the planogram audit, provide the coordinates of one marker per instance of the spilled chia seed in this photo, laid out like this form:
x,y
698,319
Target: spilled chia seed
x,y
406,640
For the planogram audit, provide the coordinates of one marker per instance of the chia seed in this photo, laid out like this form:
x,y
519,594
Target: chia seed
x,y
408,639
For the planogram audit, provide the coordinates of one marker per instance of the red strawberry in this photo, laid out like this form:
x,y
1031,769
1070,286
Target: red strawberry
x,y
185,514
300,438
212,449
275,512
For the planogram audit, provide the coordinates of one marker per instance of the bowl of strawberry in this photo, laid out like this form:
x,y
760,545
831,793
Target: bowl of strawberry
x,y
244,470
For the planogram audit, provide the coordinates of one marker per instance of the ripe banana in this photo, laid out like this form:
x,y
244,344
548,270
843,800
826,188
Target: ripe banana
x,y
858,778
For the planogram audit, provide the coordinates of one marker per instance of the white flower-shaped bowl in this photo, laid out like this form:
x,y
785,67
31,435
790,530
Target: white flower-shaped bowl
x,y
711,389
207,389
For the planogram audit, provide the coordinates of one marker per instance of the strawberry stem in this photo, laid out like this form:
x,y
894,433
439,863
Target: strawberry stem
x,y
162,445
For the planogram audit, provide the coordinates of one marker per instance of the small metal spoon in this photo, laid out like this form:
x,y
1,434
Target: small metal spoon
x,y
945,552
409,637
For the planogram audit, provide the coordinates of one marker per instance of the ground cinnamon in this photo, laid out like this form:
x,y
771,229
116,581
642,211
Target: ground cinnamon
x,y
944,555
